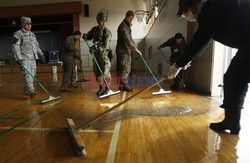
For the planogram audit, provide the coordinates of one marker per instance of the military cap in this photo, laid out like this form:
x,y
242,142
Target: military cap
x,y
25,20
103,16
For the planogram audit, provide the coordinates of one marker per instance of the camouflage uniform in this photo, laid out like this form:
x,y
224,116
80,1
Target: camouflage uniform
x,y
26,49
69,54
124,48
102,38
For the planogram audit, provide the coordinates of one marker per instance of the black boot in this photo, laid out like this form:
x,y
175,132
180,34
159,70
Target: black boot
x,y
102,91
231,122
73,84
124,87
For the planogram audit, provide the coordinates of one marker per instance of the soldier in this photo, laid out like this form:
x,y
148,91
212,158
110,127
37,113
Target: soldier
x,y
26,50
177,45
124,48
101,37
69,54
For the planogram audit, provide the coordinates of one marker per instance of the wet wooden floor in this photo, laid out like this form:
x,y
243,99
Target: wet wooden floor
x,y
166,128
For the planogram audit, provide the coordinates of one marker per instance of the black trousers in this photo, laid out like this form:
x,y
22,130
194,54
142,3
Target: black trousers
x,y
236,80
178,78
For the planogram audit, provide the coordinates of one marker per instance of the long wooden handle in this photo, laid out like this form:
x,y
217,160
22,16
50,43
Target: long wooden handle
x,y
85,126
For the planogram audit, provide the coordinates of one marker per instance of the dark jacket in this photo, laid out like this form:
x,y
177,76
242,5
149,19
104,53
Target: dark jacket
x,y
70,50
226,21
176,50
125,43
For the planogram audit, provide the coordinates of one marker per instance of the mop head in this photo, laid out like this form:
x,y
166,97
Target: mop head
x,y
110,93
77,141
51,98
160,92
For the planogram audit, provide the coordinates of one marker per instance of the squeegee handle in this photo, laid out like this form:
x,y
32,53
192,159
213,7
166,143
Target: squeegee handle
x,y
35,80
149,69
168,62
85,126
165,57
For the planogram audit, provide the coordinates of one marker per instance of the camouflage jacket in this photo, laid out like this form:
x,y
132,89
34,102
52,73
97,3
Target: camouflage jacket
x,y
25,45
102,38
176,50
70,50
125,43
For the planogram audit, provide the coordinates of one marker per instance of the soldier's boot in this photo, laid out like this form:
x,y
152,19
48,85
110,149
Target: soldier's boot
x,y
102,91
231,122
32,94
65,88
73,84
125,88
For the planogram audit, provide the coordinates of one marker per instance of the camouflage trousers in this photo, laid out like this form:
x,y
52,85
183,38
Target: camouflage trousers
x,y
105,65
69,72
124,62
30,65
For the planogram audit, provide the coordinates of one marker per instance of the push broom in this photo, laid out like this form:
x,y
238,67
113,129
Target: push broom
x,y
83,79
51,98
161,91
74,130
165,58
168,62
110,92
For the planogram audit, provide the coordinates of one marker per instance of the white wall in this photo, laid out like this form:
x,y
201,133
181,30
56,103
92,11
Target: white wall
x,y
166,25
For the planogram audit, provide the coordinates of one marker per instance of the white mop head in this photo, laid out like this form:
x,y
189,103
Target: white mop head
x,y
51,98
161,91
110,93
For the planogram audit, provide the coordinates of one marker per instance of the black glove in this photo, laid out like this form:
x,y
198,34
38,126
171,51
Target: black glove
x,y
43,59
93,49
110,55
19,62
85,36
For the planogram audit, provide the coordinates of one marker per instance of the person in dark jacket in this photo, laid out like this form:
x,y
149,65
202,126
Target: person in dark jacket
x,y
226,21
69,54
124,49
177,46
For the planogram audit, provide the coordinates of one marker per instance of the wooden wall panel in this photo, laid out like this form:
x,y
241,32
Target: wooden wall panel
x,y
40,10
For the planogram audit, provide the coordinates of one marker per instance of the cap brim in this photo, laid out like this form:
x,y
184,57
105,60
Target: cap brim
x,y
179,13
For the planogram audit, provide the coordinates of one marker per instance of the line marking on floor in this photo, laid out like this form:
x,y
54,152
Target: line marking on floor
x,y
115,137
55,129
46,110
19,109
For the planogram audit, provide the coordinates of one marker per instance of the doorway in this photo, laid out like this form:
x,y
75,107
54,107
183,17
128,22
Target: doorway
x,y
222,56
